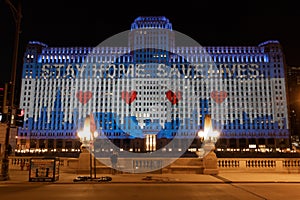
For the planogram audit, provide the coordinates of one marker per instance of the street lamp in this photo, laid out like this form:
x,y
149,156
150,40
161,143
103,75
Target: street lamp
x,y
208,136
17,15
95,135
202,135
87,136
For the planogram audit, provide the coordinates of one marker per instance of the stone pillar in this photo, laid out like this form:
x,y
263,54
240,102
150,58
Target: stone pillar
x,y
73,144
27,144
18,144
54,143
121,142
227,143
210,161
84,160
64,144
46,143
37,144
237,142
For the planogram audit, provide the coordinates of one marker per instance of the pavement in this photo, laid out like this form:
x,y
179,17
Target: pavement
x,y
66,177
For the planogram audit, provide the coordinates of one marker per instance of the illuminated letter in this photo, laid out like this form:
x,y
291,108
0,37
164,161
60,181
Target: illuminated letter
x,y
140,69
45,71
80,69
253,70
69,72
231,70
111,71
198,73
130,70
161,70
174,72
241,71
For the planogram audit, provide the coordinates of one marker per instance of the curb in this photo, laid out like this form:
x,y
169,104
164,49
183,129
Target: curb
x,y
156,182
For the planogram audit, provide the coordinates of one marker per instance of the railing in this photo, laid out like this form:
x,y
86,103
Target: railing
x,y
260,164
228,163
289,165
19,163
22,162
146,164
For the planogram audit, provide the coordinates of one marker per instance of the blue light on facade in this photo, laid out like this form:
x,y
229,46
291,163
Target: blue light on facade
x,y
253,79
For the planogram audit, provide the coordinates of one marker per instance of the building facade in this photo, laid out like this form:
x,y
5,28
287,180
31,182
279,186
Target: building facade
x,y
152,91
294,103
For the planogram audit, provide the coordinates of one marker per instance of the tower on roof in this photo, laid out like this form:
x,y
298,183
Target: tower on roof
x,y
151,35
151,22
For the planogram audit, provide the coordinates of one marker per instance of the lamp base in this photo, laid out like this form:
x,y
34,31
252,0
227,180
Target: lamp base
x,y
210,162
84,160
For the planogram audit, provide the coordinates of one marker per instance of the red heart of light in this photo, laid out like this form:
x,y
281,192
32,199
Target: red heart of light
x,y
84,97
173,97
129,97
218,96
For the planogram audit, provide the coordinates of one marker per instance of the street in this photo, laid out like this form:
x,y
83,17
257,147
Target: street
x,y
149,191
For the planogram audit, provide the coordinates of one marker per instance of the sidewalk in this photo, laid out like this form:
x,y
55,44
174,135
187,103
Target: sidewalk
x,y
17,176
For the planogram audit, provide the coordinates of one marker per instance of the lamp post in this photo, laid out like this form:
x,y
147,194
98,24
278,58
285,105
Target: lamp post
x,y
87,137
208,136
17,18
95,135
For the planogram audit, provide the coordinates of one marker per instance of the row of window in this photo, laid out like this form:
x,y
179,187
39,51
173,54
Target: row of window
x,y
153,83
188,58
178,50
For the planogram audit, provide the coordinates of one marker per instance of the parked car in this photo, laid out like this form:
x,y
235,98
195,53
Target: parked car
x,y
88,178
104,179
82,178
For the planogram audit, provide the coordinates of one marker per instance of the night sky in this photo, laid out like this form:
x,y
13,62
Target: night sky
x,y
211,23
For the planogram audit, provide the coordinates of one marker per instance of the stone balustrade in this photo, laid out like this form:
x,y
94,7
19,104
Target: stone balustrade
x,y
181,165
260,164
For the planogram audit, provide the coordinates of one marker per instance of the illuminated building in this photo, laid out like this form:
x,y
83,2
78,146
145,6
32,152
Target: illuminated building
x,y
138,102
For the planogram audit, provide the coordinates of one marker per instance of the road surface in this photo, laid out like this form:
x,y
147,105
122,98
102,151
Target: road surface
x,y
149,191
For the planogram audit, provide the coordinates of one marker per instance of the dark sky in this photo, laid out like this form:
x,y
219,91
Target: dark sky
x,y
210,23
